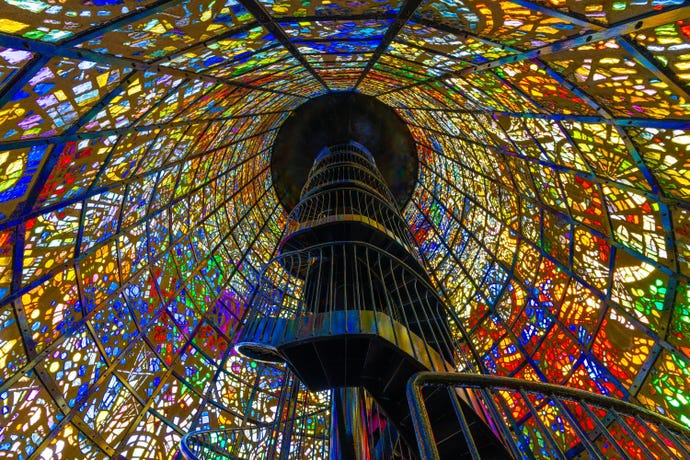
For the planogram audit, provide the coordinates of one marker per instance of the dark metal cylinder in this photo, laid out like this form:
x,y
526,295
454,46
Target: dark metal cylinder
x,y
349,435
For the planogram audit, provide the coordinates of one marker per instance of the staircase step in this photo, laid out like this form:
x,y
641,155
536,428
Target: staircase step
x,y
372,361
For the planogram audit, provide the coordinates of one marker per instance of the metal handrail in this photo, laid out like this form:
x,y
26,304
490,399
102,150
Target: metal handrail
x,y
211,440
668,436
407,297
342,156
202,437
320,206
345,172
315,248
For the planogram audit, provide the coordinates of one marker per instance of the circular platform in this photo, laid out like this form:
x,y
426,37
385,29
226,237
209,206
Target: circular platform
x,y
337,118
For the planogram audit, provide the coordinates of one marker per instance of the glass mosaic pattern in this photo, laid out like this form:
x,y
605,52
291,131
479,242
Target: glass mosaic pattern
x,y
136,207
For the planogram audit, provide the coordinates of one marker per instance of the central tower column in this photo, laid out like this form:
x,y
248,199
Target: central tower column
x,y
347,302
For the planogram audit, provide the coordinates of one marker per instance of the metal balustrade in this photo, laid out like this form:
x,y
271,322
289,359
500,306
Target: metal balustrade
x,y
350,204
569,423
297,431
233,443
526,409
254,442
347,173
343,155
307,293
346,164
258,442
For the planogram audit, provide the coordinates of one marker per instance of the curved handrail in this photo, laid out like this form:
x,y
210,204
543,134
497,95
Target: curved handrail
x,y
673,437
190,438
210,443
262,436
316,247
405,295
280,294
353,202
322,177
297,227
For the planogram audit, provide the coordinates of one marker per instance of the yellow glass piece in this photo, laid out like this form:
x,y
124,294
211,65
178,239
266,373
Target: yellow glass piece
x,y
10,26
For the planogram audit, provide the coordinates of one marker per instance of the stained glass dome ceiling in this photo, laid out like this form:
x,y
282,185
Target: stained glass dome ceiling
x,y
552,202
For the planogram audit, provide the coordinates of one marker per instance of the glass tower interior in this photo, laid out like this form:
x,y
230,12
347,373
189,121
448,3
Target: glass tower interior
x,y
551,204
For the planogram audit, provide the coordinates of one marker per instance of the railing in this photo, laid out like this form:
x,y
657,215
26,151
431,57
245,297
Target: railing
x,y
539,420
350,287
346,173
350,204
251,443
233,443
343,156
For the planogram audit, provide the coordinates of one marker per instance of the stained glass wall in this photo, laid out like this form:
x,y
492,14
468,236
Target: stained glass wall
x,y
136,205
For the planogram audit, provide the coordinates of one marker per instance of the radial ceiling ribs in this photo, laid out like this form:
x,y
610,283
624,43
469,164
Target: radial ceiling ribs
x,y
404,15
65,51
638,23
272,26
621,121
